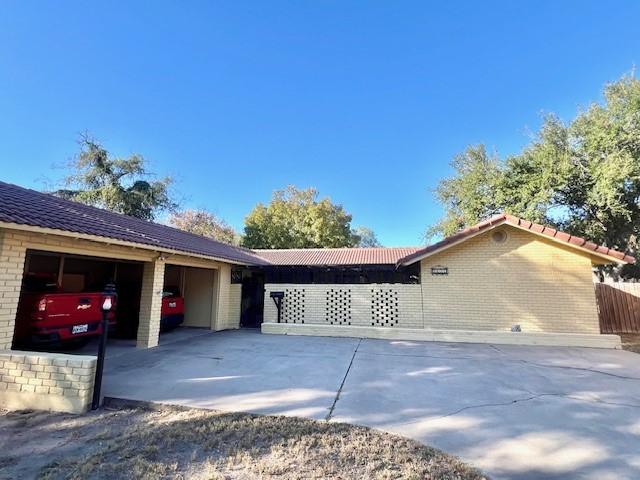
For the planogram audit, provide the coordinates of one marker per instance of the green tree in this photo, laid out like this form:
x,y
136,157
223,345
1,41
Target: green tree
x,y
121,185
471,192
205,223
297,219
366,237
531,184
582,177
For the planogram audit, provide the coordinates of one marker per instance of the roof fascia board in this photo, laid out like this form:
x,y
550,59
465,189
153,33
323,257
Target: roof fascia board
x,y
453,244
578,248
111,241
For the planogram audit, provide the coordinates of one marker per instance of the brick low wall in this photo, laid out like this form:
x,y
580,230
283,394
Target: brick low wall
x,y
46,381
368,305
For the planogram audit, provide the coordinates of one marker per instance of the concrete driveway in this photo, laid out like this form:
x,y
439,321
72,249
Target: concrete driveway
x,y
515,412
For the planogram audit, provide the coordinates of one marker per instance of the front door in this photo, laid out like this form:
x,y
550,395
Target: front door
x,y
252,300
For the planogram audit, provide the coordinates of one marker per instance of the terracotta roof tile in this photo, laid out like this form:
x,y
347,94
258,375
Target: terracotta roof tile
x,y
536,227
590,246
335,256
577,241
518,222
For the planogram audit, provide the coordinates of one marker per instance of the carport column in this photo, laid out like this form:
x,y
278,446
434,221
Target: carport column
x,y
12,255
150,304
222,302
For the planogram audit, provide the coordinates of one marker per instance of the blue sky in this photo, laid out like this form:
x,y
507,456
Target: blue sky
x,y
367,101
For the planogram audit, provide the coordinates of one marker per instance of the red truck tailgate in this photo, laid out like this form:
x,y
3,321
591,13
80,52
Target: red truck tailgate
x,y
65,316
172,305
63,309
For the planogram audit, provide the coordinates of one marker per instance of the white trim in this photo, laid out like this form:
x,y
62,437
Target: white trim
x,y
462,336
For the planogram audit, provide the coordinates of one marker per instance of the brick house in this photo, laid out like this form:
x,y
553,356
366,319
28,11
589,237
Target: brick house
x,y
501,275
504,280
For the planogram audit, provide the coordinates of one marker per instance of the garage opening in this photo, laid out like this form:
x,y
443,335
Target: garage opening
x,y
60,299
193,289
59,307
172,308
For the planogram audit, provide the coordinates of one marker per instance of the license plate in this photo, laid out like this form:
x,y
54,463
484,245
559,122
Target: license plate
x,y
172,304
80,328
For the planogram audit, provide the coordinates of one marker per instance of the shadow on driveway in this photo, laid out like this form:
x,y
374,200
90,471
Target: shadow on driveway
x,y
515,412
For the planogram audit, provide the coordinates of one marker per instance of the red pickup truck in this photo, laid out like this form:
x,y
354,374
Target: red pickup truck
x,y
172,311
46,315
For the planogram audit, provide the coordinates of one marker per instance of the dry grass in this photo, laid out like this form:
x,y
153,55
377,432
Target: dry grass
x,y
631,342
199,444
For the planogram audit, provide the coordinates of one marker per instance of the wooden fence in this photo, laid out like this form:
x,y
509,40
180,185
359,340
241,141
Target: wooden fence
x,y
619,307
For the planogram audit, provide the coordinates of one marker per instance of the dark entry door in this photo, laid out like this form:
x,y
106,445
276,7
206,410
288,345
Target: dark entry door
x,y
252,300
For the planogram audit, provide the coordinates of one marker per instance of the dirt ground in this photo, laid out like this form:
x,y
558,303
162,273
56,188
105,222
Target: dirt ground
x,y
148,443
631,342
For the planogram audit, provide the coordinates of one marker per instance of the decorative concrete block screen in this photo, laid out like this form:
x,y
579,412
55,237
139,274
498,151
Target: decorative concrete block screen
x,y
385,311
293,305
338,308
46,381
379,305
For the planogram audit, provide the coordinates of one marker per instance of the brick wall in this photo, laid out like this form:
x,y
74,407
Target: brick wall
x,y
150,304
46,381
526,280
229,298
12,256
380,305
235,303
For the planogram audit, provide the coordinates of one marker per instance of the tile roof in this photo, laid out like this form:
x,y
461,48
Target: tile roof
x,y
577,242
22,206
335,256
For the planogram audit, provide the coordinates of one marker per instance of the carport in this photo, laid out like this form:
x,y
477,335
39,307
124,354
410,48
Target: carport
x,y
52,272
55,272
80,248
